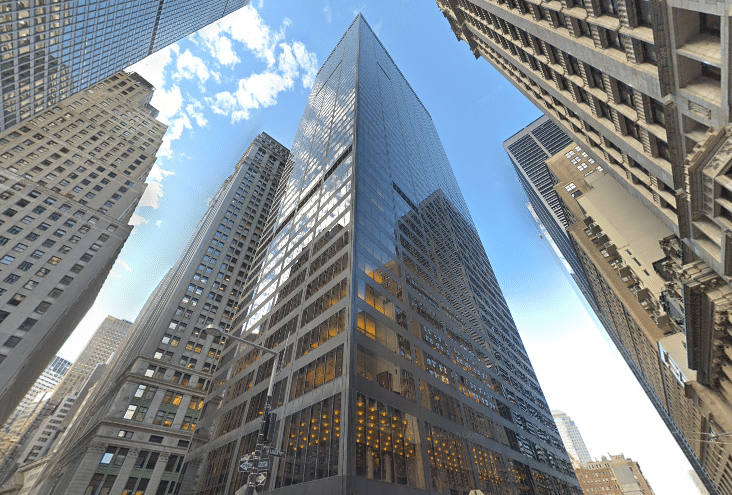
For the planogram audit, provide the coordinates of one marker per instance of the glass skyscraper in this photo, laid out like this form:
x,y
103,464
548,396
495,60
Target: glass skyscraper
x,y
401,366
49,50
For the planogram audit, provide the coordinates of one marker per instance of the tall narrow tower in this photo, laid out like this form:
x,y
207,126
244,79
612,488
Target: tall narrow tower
x,y
400,361
571,437
132,434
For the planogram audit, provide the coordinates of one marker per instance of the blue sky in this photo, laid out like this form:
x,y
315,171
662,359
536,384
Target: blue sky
x,y
252,71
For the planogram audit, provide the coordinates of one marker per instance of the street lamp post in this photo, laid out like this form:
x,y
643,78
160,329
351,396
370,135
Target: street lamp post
x,y
266,428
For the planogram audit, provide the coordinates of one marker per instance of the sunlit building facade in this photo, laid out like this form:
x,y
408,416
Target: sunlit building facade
x,y
103,344
643,87
51,50
136,425
571,437
70,179
401,367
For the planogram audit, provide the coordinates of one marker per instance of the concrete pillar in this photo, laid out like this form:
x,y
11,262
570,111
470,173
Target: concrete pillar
x,y
125,470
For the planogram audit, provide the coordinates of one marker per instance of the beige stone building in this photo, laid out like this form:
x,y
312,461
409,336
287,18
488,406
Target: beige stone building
x,y
644,87
628,257
616,475
70,179
104,344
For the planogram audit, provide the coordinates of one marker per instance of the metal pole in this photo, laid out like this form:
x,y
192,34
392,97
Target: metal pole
x,y
267,401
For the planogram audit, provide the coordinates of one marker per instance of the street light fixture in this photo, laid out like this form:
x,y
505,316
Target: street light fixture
x,y
266,429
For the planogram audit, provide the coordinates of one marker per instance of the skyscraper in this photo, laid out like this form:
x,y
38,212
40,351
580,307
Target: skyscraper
x,y
643,87
70,179
629,272
136,427
400,361
51,50
571,437
528,151
103,344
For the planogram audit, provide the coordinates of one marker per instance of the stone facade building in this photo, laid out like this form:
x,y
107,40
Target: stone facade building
x,y
616,475
643,86
103,344
136,425
70,179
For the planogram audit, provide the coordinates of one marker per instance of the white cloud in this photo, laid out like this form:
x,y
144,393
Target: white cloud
x,y
168,102
189,66
247,27
194,109
158,223
154,192
328,13
152,68
137,219
261,90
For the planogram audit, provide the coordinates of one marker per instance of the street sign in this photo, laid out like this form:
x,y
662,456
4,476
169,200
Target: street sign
x,y
257,479
263,464
273,451
246,466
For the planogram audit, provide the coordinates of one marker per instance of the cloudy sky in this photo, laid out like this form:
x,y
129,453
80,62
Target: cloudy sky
x,y
252,71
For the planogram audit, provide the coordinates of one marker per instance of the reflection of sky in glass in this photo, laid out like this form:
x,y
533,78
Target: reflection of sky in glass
x,y
87,41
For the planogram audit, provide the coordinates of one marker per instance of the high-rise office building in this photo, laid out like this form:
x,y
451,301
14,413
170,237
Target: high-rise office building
x,y
614,475
137,425
401,367
643,87
571,437
528,151
617,242
103,344
70,179
51,50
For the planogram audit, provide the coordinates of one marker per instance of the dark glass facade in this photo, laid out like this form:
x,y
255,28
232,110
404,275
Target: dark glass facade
x,y
401,367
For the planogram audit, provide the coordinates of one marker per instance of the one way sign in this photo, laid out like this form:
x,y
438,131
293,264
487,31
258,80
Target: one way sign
x,y
253,465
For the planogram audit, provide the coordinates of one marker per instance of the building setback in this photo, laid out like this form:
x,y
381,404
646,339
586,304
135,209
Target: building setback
x,y
70,179
103,344
135,428
51,50
616,475
643,87
571,437
401,367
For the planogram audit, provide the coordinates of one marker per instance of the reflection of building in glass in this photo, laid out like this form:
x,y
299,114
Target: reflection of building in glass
x,y
400,361
33,408
70,179
136,425
53,49
571,437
